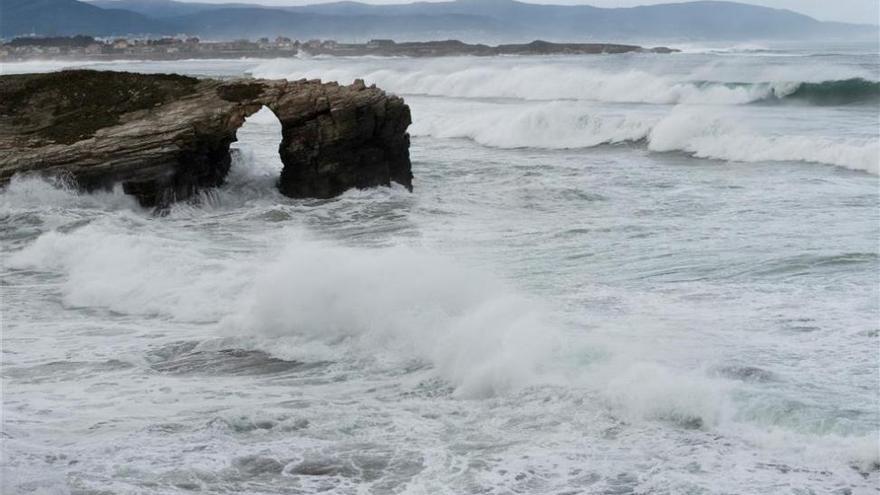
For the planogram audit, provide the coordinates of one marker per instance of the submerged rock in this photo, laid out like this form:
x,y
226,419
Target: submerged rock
x,y
163,136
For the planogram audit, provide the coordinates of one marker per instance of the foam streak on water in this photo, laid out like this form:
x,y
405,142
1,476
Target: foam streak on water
x,y
612,277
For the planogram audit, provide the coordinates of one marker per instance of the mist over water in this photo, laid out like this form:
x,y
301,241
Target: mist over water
x,y
616,274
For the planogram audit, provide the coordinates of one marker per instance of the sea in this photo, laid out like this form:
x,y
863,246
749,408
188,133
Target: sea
x,y
616,274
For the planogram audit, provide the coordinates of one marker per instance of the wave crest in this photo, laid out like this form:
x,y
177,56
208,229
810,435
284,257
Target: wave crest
x,y
697,131
837,92
714,137
392,302
546,81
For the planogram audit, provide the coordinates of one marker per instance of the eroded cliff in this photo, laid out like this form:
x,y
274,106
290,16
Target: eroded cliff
x,y
163,137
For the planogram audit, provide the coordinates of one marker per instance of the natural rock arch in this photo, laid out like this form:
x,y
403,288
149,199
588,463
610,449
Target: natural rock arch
x,y
166,136
255,153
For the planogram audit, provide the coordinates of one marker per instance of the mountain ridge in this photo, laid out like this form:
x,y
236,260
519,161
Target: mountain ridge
x,y
469,20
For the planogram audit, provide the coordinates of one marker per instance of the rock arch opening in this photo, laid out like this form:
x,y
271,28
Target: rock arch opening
x,y
255,153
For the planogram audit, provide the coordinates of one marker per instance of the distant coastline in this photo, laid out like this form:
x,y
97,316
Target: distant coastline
x,y
89,48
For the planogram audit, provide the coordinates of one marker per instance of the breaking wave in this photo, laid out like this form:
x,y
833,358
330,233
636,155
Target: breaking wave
x,y
481,337
324,300
840,92
714,137
703,134
450,78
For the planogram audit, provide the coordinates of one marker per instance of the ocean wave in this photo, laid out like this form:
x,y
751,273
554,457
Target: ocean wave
x,y
393,305
397,303
823,93
555,125
26,192
700,133
839,92
116,263
398,307
716,137
525,81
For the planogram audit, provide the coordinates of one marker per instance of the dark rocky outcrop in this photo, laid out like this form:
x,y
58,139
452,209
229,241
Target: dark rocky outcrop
x,y
456,48
166,136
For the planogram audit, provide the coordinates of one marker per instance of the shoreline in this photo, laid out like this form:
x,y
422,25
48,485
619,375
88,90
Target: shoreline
x,y
375,48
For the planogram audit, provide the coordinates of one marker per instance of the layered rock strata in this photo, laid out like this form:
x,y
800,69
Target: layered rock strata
x,y
164,137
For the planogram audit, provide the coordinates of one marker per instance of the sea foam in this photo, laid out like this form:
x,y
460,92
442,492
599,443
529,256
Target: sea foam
x,y
394,304
398,303
699,131
527,80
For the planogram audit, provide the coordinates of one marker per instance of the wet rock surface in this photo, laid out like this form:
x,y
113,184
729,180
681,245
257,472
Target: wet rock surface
x,y
164,137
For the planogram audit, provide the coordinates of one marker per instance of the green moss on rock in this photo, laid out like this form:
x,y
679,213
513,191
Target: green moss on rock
x,y
69,106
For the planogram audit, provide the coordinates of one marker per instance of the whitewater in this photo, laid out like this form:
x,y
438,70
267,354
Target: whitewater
x,y
636,273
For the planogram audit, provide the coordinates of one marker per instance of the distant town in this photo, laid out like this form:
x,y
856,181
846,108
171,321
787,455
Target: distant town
x,y
190,47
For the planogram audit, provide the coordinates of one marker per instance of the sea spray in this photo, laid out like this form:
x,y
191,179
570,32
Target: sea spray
x,y
24,192
401,304
107,265
700,131
526,80
553,125
715,135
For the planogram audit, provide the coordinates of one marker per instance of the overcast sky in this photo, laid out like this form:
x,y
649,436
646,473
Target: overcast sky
x,y
860,11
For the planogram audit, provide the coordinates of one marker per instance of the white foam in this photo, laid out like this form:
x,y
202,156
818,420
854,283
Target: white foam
x,y
738,48
554,125
393,303
28,192
530,82
651,391
401,304
700,131
525,79
256,158
713,136
105,265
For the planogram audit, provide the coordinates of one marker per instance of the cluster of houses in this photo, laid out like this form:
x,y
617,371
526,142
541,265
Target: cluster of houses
x,y
187,47
167,47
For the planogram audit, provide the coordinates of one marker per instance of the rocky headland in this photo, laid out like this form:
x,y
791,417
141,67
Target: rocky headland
x,y
165,137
